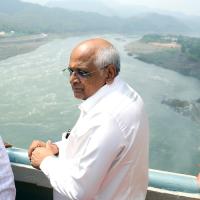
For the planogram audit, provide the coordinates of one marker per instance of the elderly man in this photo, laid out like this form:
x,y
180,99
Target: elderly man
x,y
105,156
7,186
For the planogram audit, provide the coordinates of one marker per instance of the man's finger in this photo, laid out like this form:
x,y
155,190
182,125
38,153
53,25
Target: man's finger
x,y
48,144
35,144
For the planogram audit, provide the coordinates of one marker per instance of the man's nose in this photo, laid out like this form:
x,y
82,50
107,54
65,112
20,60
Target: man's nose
x,y
74,78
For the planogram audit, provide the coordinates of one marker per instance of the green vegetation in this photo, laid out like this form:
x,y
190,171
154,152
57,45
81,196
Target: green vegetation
x,y
178,53
158,38
173,59
190,47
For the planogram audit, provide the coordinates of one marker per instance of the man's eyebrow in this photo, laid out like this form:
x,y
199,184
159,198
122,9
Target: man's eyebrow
x,y
78,68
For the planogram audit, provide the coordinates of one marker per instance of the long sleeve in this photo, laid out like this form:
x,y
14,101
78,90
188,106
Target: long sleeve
x,y
81,177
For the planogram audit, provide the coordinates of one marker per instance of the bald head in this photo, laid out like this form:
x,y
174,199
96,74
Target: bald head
x,y
98,51
93,45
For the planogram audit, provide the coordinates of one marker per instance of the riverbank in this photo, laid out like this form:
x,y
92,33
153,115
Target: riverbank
x,y
12,46
168,56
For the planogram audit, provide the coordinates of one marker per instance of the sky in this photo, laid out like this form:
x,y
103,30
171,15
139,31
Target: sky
x,y
190,7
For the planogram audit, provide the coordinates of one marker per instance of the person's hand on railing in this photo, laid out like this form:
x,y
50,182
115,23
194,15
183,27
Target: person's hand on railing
x,y
39,150
34,145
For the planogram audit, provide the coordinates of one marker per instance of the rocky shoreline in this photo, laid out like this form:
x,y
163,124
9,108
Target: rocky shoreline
x,y
186,108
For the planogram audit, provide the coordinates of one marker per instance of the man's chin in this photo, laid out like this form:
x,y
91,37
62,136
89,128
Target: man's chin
x,y
79,96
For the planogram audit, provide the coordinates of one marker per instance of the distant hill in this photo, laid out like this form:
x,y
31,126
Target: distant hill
x,y
98,6
193,22
85,6
31,18
155,23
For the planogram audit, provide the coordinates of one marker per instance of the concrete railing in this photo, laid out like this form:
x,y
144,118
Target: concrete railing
x,y
160,180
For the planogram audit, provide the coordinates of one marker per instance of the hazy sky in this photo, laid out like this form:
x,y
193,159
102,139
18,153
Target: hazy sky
x,y
186,6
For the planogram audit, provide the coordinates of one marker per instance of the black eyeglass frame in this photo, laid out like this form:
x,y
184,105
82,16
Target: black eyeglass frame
x,y
81,73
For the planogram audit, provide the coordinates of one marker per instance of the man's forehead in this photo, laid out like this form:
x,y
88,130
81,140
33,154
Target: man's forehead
x,y
86,51
92,46
82,53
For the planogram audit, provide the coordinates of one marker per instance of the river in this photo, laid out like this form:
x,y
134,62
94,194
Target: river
x,y
37,103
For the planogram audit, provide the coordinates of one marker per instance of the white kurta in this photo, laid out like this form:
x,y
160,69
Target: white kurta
x,y
7,187
106,154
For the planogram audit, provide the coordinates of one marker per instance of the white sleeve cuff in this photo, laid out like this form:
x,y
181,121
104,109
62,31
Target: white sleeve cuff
x,y
48,164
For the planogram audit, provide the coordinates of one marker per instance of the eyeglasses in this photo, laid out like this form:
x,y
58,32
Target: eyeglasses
x,y
80,73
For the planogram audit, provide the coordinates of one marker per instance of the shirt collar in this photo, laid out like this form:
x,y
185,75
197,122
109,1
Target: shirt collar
x,y
89,103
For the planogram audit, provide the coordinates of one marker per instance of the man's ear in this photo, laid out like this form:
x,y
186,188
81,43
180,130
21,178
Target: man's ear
x,y
111,73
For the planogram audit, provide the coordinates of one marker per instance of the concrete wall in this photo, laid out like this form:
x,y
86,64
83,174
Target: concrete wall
x,y
160,194
33,183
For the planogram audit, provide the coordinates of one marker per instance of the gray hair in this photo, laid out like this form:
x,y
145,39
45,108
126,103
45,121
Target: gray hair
x,y
106,56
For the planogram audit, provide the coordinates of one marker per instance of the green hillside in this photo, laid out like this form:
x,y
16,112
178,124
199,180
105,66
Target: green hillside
x,y
31,18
